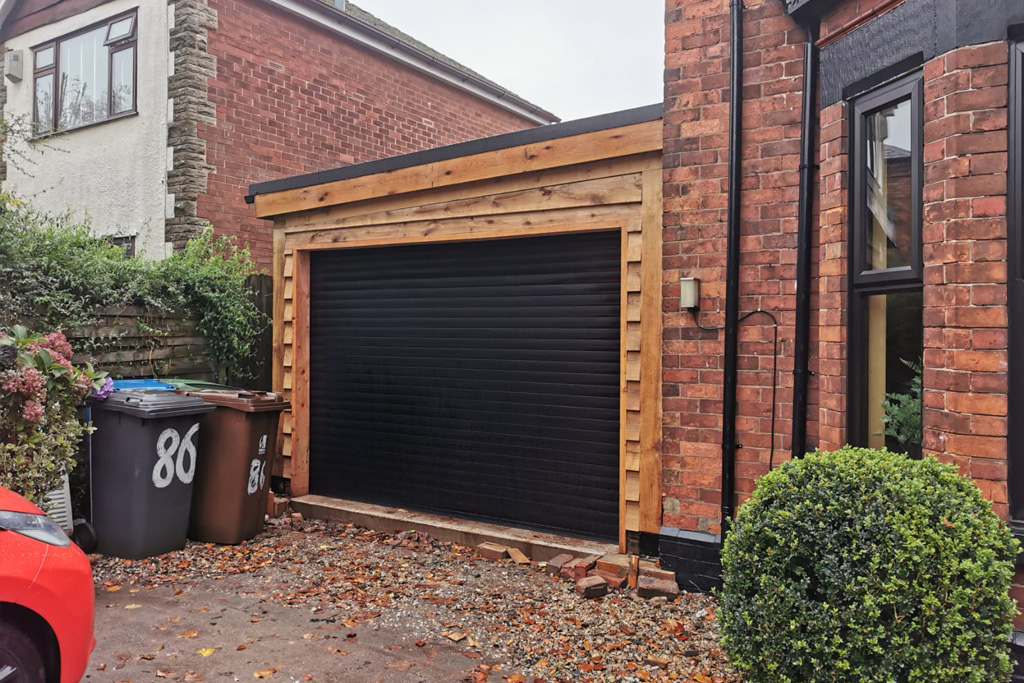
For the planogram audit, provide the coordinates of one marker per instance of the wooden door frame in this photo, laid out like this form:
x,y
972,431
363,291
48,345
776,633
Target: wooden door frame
x,y
650,365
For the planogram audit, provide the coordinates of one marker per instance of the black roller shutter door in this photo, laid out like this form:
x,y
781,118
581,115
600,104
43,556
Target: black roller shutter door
x,y
476,378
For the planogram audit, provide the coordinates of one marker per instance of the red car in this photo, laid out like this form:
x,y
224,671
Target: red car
x,y
46,598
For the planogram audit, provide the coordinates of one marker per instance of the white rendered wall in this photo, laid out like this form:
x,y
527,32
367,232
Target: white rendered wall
x,y
116,171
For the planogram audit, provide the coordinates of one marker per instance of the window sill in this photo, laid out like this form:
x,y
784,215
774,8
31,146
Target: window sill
x,y
59,133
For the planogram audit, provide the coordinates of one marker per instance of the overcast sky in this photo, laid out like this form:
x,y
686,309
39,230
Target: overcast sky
x,y
574,58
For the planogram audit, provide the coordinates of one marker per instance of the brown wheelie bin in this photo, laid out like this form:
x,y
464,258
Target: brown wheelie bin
x,y
237,440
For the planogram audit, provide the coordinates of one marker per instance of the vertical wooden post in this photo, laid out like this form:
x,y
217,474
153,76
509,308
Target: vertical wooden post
x,y
277,336
300,373
624,303
650,353
277,372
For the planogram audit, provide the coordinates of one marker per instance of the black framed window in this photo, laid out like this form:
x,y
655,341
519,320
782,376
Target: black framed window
x,y
86,77
1015,245
886,328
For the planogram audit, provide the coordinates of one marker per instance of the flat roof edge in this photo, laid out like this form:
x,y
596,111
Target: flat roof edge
x,y
528,136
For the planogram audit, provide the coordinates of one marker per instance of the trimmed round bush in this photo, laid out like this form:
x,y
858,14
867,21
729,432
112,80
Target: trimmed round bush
x,y
863,566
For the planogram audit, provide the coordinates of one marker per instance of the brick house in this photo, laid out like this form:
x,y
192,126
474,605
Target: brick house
x,y
904,245
206,95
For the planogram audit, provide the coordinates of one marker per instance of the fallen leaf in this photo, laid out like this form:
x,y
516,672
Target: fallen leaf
x,y
189,634
132,606
206,651
240,647
164,674
264,673
192,676
113,589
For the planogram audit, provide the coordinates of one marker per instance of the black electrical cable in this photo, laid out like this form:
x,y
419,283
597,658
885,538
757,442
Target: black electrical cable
x,y
775,365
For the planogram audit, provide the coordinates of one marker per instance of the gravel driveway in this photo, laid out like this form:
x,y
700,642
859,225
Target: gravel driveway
x,y
321,601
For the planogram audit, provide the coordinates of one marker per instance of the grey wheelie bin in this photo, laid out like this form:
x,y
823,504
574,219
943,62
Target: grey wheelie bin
x,y
144,454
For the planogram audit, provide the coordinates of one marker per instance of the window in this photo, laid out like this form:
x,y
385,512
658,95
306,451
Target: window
x,y
886,329
86,77
126,242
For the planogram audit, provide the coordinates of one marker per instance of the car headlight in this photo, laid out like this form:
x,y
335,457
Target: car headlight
x,y
39,527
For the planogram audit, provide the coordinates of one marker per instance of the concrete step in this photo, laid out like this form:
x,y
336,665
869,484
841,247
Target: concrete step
x,y
538,546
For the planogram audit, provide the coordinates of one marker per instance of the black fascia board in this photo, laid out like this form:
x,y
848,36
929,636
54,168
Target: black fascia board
x,y
528,136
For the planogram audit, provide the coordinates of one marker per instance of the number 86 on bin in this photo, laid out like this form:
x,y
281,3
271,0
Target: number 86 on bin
x,y
173,452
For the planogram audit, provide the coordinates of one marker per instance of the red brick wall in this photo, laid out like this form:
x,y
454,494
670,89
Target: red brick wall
x,y
964,248
696,153
965,315
833,185
292,98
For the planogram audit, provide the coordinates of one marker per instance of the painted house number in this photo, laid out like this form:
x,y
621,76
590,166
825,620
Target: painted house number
x,y
257,476
171,452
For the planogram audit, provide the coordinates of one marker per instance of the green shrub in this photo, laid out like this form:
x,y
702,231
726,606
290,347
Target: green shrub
x,y
863,566
56,275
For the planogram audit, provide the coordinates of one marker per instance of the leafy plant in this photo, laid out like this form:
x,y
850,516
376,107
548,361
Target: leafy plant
x,y
902,417
58,275
862,566
39,427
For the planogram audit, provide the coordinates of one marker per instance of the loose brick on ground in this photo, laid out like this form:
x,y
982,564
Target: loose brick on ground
x,y
592,587
650,587
492,551
555,564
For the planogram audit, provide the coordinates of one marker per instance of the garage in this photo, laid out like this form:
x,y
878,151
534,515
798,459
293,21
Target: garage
x,y
477,378
475,330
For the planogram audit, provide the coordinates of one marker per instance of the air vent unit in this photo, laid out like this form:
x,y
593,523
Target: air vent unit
x,y
13,65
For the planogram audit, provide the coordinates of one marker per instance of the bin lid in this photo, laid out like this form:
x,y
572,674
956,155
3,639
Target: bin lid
x,y
154,403
245,401
198,385
136,384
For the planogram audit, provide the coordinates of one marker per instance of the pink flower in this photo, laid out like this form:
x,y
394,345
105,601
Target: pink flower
x,y
32,411
59,343
26,381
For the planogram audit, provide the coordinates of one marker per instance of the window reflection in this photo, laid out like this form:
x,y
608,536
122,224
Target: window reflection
x,y
889,187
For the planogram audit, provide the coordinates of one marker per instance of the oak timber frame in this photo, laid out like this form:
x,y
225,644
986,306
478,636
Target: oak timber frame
x,y
605,180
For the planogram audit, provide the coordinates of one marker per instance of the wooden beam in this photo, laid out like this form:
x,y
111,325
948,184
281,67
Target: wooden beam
x,y
650,354
578,149
595,170
300,377
462,229
612,191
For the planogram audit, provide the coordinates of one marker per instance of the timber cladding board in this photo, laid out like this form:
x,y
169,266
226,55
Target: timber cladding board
x,y
575,188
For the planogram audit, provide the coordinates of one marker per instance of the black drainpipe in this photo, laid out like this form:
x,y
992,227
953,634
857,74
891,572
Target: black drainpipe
x,y
732,265
801,350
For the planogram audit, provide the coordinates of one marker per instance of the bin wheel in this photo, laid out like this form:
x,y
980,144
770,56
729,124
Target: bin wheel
x,y
20,658
84,536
